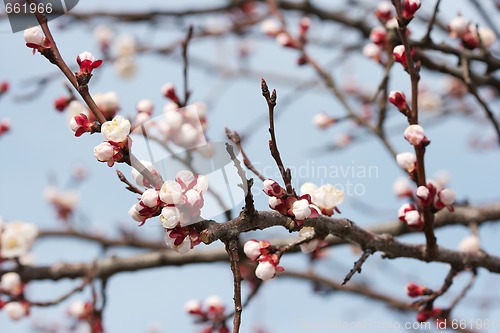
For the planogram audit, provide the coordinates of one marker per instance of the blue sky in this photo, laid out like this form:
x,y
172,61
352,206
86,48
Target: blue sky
x,y
41,147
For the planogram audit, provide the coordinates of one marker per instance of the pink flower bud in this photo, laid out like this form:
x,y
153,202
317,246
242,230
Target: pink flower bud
x,y
402,187
422,192
406,161
458,27
285,40
272,188
186,179
194,199
193,307
135,214
201,185
4,87
410,7
399,54
168,90
150,198
446,198
145,105
275,202
414,290
252,249
270,27
4,126
322,120
214,304
15,310
413,219
384,11
61,103
171,193
170,217
34,36
487,36
87,62
378,35
104,152
415,135
265,270
116,130
80,124
398,98
304,25
11,283
372,51
470,244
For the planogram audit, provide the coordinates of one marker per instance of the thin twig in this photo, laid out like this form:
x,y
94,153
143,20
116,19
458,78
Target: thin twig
x,y
61,298
273,144
131,187
432,21
246,184
235,137
358,264
232,250
185,45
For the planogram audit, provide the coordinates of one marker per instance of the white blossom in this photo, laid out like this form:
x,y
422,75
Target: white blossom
x,y
116,130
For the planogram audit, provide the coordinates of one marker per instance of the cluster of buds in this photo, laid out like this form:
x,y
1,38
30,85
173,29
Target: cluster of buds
x,y
265,254
16,239
212,314
380,36
12,296
63,202
4,126
144,111
36,40
185,127
469,35
427,196
298,208
118,142
415,135
178,204
84,312
15,305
